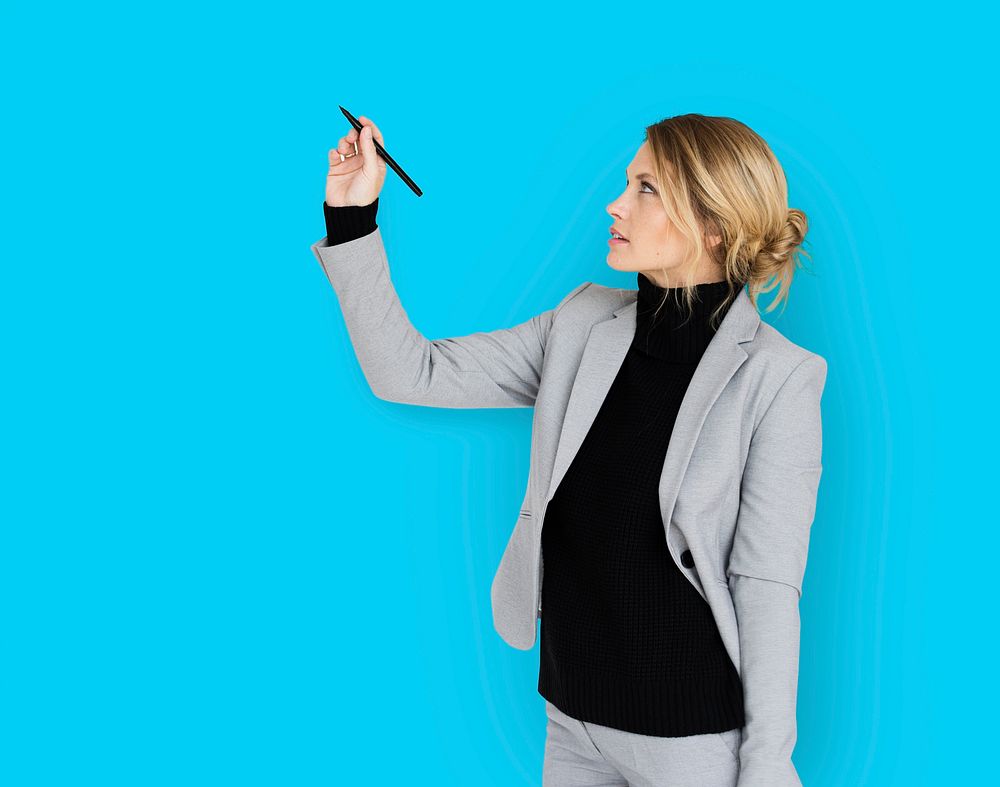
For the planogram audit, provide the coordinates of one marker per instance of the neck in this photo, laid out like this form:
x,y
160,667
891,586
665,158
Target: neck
x,y
655,278
665,329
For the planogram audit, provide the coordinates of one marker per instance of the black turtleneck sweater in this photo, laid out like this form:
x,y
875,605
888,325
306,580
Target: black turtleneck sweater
x,y
626,640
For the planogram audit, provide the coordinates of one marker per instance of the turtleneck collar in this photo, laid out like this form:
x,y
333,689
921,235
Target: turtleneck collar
x,y
666,337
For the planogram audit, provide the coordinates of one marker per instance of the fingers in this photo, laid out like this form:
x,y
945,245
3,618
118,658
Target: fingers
x,y
346,144
335,160
344,155
344,147
376,134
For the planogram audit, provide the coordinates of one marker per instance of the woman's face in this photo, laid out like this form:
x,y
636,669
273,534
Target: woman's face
x,y
652,241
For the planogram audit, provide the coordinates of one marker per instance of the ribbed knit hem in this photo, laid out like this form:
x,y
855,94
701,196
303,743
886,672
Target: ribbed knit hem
x,y
349,222
663,708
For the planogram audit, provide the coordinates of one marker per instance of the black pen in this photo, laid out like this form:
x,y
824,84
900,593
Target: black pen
x,y
381,151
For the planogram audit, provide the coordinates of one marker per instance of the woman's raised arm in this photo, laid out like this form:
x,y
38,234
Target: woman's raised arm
x,y
499,368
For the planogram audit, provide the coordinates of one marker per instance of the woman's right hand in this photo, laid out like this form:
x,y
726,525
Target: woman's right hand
x,y
356,180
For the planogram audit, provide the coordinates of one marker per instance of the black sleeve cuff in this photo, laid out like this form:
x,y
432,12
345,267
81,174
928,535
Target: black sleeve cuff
x,y
349,222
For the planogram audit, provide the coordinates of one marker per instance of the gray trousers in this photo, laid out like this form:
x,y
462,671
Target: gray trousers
x,y
583,754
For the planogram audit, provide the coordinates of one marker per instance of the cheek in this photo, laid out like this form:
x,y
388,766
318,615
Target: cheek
x,y
645,232
658,229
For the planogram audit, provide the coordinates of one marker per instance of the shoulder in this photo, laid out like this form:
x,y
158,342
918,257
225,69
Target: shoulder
x,y
771,356
785,373
777,356
595,302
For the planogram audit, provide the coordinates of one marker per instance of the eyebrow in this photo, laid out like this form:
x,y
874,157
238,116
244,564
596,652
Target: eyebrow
x,y
641,175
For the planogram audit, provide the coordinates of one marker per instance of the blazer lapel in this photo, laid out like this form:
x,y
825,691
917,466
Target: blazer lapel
x,y
602,359
603,355
723,356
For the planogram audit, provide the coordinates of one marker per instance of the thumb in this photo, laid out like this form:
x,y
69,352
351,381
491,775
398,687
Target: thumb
x,y
369,156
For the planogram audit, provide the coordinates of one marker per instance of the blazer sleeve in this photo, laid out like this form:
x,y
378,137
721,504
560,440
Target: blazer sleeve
x,y
766,569
499,368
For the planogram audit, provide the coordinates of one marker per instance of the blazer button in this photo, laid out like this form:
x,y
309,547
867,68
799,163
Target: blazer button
x,y
686,560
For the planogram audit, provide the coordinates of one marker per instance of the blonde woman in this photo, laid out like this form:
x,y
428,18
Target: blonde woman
x,y
675,459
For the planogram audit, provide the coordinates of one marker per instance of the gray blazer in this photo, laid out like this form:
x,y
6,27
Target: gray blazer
x,y
739,482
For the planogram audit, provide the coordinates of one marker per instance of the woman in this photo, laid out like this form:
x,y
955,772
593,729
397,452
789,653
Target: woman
x,y
670,634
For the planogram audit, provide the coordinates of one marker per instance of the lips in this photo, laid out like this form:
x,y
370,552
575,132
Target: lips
x,y
615,230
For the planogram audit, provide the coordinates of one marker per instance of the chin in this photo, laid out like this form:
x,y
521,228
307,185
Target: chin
x,y
617,265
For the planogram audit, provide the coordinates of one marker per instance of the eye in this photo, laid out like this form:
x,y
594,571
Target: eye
x,y
644,183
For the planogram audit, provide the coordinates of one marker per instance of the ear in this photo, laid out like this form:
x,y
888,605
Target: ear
x,y
711,234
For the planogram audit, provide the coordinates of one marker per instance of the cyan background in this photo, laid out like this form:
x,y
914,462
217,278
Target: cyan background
x,y
225,562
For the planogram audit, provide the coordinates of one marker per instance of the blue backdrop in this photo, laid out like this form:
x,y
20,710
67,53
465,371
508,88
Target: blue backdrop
x,y
225,562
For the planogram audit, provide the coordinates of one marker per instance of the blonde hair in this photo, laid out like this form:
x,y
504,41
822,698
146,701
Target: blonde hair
x,y
721,178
